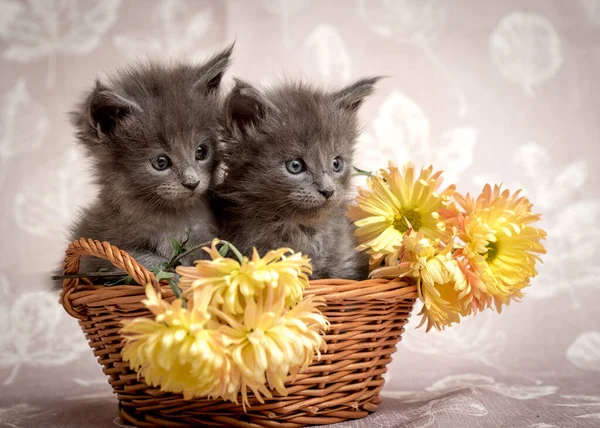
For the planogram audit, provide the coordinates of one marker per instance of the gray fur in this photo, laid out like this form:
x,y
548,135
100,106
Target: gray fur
x,y
142,112
261,203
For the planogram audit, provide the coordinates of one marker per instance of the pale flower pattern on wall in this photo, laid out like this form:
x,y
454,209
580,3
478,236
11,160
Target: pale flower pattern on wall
x,y
408,21
285,10
474,339
23,125
415,22
487,91
46,28
592,9
402,132
325,50
526,49
39,334
44,206
178,30
570,220
584,352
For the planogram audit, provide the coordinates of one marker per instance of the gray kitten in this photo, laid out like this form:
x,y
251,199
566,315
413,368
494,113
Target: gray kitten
x,y
152,134
287,157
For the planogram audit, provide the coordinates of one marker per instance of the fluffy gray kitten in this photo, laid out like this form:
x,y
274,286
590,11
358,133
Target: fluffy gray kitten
x,y
152,134
287,156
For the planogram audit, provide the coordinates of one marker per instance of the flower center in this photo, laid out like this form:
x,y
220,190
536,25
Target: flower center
x,y
256,336
492,251
413,217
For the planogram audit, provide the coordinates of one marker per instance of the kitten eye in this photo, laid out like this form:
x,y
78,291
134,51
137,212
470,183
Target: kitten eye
x,y
161,162
338,164
201,152
295,166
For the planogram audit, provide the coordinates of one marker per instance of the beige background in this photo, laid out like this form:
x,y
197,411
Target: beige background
x,y
487,90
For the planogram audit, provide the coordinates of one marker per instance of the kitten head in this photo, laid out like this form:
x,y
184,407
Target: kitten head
x,y
288,151
152,132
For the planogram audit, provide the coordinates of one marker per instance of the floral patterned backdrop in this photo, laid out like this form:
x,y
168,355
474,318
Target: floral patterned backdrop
x,y
487,90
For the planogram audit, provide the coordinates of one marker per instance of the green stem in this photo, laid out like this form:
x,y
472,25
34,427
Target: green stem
x,y
89,275
235,251
204,244
182,255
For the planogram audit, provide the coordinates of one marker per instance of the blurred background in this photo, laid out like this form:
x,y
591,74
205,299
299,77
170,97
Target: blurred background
x,y
489,91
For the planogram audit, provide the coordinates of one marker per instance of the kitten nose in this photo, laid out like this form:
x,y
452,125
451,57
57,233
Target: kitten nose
x,y
326,193
191,185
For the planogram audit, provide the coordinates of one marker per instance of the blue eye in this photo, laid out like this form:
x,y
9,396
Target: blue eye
x,y
338,164
295,166
161,162
201,152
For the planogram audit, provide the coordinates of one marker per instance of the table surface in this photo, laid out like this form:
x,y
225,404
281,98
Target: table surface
x,y
60,401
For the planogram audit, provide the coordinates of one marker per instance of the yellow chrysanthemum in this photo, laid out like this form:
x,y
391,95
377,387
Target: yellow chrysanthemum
x,y
474,295
179,350
499,241
440,281
233,283
396,202
271,343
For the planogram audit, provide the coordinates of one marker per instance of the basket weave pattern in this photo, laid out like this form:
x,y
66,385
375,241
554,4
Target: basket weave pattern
x,y
367,319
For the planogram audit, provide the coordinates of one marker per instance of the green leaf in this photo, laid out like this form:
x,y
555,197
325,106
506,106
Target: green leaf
x,y
362,172
170,278
164,275
174,287
224,250
175,245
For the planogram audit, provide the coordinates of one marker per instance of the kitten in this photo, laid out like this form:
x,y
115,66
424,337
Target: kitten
x,y
288,159
152,134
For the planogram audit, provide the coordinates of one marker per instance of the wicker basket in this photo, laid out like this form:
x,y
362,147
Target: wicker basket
x,y
367,319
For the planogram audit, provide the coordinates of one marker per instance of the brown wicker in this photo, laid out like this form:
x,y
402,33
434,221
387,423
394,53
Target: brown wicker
x,y
367,319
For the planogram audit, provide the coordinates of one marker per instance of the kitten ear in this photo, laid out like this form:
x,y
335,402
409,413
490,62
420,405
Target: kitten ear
x,y
244,106
351,97
211,73
106,108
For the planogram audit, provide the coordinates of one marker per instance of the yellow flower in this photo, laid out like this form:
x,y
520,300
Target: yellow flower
x,y
271,343
440,281
179,350
396,202
474,294
499,242
234,283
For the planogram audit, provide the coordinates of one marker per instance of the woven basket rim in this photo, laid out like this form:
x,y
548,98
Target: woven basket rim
x,y
74,293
